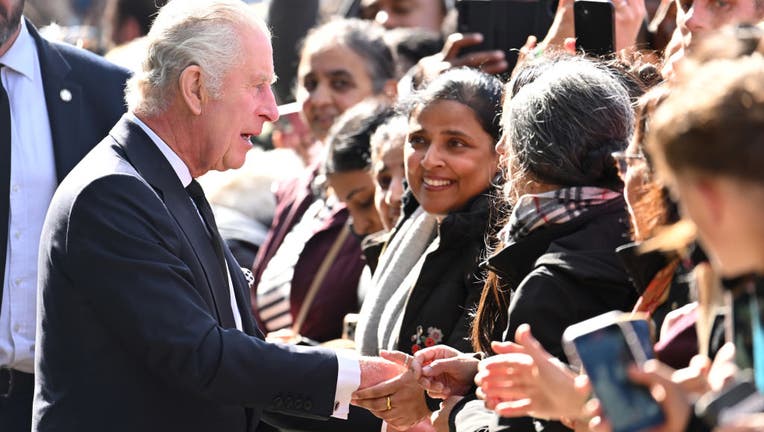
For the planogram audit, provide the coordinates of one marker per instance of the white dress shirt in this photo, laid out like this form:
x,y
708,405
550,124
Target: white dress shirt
x,y
33,181
348,367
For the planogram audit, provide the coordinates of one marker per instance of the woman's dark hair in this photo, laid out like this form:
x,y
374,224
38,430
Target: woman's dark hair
x,y
478,91
563,125
563,117
348,142
365,38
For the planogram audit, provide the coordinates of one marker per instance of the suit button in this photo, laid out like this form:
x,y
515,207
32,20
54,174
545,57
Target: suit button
x,y
277,402
307,405
298,404
336,405
288,402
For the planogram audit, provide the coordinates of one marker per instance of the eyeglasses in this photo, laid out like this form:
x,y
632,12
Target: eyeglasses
x,y
624,160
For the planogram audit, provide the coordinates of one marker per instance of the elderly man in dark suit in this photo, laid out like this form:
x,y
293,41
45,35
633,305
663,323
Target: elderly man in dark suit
x,y
56,103
144,320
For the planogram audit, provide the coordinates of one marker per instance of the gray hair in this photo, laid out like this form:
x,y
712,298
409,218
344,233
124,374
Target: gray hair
x,y
389,135
563,125
190,32
365,38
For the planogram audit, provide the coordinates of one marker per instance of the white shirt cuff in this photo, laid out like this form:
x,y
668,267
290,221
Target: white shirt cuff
x,y
348,381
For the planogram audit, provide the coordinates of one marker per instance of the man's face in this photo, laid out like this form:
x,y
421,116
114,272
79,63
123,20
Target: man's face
x,y
426,14
245,104
696,17
10,17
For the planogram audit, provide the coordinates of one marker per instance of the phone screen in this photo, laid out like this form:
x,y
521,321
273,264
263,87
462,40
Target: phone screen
x,y
505,24
748,331
606,355
594,27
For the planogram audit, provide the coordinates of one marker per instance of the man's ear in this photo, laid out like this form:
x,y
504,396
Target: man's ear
x,y
713,198
191,88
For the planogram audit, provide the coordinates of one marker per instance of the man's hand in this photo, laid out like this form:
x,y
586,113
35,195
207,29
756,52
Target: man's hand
x,y
445,371
375,370
398,401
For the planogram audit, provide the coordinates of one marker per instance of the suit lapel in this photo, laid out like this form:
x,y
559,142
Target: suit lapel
x,y
63,98
143,154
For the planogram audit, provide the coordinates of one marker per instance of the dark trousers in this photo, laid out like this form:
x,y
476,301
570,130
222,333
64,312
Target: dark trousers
x,y
16,405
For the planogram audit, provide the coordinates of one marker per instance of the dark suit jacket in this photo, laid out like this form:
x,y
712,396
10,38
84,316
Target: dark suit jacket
x,y
97,98
129,338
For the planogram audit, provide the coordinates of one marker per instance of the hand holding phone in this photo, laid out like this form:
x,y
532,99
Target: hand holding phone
x,y
606,346
595,26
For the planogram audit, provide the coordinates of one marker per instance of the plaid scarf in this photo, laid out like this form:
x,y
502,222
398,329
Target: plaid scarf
x,y
554,207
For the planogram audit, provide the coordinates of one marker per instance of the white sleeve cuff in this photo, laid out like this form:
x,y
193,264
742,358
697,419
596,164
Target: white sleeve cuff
x,y
348,381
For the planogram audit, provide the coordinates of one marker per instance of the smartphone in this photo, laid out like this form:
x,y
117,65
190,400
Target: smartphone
x,y
594,26
505,24
737,400
606,346
747,313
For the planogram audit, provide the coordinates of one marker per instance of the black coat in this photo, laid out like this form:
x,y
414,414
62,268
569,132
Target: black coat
x,y
558,275
449,285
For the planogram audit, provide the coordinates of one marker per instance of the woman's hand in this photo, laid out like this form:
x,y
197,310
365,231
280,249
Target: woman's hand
x,y
672,399
398,401
439,418
445,371
524,379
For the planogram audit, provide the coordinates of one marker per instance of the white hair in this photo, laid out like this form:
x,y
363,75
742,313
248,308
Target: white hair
x,y
205,33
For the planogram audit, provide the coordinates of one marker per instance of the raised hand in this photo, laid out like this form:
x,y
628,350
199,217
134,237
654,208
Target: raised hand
x,y
446,371
672,399
524,379
450,56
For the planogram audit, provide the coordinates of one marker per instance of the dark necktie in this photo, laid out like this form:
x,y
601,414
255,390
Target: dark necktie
x,y
5,177
221,293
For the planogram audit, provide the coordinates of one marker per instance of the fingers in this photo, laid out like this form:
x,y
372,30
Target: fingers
x,y
376,405
380,390
429,355
514,408
404,360
457,41
481,59
439,367
506,347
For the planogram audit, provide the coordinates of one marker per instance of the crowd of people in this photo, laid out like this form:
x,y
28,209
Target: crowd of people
x,y
417,239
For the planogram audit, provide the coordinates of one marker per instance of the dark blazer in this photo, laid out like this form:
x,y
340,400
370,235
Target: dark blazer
x,y
129,335
97,98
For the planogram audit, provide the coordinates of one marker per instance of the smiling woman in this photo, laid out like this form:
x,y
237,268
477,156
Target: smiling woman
x,y
428,279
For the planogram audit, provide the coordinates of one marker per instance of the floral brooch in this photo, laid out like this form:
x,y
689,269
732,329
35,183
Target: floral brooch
x,y
421,340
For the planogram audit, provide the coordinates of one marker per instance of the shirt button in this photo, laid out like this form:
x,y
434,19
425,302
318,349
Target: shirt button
x,y
18,281
16,327
15,188
17,235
